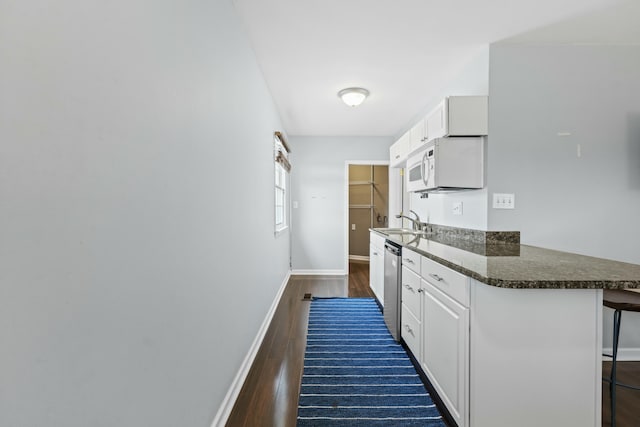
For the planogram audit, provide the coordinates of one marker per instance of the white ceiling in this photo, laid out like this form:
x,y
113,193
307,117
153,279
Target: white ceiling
x,y
401,50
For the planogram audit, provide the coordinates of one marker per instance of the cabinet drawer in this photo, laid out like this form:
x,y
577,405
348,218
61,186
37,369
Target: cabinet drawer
x,y
411,332
376,240
410,291
411,260
452,283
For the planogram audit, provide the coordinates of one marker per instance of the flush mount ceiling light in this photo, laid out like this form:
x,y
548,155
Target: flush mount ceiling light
x,y
353,96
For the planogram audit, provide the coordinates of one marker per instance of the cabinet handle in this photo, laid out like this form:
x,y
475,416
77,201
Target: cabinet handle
x,y
375,253
435,276
410,261
408,287
408,328
397,156
420,290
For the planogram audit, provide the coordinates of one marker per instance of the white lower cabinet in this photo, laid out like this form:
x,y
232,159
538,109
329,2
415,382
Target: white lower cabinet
x,y
376,266
411,332
491,352
411,327
445,350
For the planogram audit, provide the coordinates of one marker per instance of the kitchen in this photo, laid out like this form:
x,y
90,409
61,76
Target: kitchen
x,y
118,148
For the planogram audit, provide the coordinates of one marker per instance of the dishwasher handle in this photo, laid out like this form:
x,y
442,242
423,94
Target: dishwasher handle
x,y
392,248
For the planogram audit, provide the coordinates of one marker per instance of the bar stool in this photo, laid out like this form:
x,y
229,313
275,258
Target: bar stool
x,y
618,300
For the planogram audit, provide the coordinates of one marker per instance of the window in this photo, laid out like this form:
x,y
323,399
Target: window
x,y
281,197
282,168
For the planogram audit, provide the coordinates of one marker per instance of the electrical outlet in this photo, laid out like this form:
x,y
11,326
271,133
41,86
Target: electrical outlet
x,y
504,201
457,208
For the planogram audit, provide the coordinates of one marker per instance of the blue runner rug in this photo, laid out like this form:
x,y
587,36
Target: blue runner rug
x,y
355,374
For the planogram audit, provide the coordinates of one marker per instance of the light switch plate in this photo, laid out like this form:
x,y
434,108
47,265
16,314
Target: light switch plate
x,y
504,201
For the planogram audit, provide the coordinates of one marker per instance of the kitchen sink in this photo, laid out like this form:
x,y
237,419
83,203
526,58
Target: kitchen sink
x,y
396,230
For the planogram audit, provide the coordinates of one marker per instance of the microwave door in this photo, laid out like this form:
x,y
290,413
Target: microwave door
x,y
414,177
428,174
425,165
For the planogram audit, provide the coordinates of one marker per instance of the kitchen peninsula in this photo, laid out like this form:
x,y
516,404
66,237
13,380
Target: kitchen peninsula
x,y
508,334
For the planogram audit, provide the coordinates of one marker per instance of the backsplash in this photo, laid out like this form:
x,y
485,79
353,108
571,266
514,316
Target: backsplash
x,y
444,232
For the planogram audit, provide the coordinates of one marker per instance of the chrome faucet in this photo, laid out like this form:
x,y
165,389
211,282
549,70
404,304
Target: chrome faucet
x,y
416,224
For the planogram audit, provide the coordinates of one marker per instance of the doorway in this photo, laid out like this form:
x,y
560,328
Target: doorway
x,y
368,206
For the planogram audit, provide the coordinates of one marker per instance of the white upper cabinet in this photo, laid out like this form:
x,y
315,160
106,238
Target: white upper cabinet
x,y
418,135
453,116
437,120
459,116
399,151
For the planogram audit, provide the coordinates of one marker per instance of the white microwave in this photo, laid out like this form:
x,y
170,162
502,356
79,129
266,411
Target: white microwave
x,y
447,164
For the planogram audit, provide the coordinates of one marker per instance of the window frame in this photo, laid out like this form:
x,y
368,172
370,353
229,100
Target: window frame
x,y
281,188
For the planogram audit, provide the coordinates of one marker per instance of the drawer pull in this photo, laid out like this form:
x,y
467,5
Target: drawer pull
x,y
435,276
408,328
397,156
410,261
420,290
375,253
408,287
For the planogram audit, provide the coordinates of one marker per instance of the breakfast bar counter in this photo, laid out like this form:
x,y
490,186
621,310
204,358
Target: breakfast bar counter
x,y
512,265
509,334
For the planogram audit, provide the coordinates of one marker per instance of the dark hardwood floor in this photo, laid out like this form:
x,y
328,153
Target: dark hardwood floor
x,y
269,396
627,401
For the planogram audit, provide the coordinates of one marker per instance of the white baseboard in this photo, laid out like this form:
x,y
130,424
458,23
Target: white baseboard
x,y
230,399
358,258
624,354
319,272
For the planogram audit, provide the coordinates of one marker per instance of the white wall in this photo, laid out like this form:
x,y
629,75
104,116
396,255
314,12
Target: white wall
x,y
318,186
588,204
472,79
136,262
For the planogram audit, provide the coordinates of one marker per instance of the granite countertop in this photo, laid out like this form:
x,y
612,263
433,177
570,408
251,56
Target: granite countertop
x,y
512,265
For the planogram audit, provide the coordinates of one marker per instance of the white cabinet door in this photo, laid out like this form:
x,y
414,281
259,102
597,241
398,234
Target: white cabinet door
x,y
399,151
437,120
445,350
418,136
376,271
379,271
468,116
458,116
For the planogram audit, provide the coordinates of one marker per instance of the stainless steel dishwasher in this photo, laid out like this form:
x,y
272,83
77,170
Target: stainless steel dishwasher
x,y
392,283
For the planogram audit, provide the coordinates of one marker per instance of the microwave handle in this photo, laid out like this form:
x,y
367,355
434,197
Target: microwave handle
x,y
425,169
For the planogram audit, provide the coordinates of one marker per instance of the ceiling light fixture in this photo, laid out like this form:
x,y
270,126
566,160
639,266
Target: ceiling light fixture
x,y
353,96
